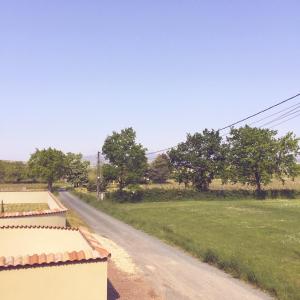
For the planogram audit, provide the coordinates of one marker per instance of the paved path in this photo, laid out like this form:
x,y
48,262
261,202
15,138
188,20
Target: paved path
x,y
173,273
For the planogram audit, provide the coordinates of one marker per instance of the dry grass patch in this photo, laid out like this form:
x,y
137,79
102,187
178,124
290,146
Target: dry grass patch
x,y
25,207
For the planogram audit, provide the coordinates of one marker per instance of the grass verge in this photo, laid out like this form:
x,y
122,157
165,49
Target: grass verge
x,y
257,241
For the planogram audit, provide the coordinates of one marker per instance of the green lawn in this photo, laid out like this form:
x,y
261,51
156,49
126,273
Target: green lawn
x,y
258,241
23,207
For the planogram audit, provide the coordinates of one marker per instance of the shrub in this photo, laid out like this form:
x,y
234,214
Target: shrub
x,y
210,257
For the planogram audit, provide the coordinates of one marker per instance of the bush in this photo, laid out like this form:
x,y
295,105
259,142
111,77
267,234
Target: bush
x,y
210,257
133,193
91,186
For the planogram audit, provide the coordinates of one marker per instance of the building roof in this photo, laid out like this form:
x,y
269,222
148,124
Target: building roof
x,y
35,197
29,246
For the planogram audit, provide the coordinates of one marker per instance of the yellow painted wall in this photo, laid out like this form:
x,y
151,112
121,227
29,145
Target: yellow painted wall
x,y
54,219
29,241
83,281
29,197
24,197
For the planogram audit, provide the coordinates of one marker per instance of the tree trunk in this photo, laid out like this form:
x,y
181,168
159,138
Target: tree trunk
x,y
204,187
257,181
121,185
50,186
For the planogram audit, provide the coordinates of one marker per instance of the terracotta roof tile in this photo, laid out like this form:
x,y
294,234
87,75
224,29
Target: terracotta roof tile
x,y
73,255
61,209
88,254
18,260
26,260
2,261
9,260
80,255
65,256
58,257
33,259
96,253
42,258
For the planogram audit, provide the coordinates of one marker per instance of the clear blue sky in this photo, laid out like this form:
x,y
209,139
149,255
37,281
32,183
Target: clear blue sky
x,y
71,72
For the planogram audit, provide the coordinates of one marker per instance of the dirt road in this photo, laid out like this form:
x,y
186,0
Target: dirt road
x,y
173,273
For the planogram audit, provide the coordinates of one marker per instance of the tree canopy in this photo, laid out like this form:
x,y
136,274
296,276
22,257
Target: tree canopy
x,y
199,159
255,156
48,164
76,171
160,169
126,156
13,171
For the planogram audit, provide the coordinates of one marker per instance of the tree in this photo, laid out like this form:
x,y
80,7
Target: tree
x,y
2,171
255,156
126,157
13,171
199,159
48,164
76,169
286,157
183,175
159,170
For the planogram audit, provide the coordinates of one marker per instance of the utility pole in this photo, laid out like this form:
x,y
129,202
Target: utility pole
x,y
100,194
98,175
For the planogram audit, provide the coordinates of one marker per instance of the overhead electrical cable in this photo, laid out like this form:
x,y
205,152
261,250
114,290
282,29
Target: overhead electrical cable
x,y
281,117
239,121
285,121
274,114
260,112
294,107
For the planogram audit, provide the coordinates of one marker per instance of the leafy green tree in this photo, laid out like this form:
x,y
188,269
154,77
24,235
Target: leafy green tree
x,y
182,175
13,171
108,175
109,172
2,171
76,169
48,164
286,157
255,156
199,159
126,157
160,169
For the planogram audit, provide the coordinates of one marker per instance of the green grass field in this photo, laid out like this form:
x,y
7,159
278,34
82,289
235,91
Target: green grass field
x,y
257,241
23,207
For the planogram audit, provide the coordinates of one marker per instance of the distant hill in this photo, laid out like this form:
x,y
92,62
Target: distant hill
x,y
93,159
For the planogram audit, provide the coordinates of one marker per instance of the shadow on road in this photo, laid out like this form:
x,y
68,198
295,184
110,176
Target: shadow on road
x,y
112,293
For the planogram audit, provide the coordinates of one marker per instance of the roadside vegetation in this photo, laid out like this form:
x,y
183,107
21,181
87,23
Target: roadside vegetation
x,y
257,241
74,220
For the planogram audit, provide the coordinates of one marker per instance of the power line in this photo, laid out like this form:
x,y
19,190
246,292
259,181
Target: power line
x,y
296,106
274,114
260,112
237,122
283,116
285,121
158,151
